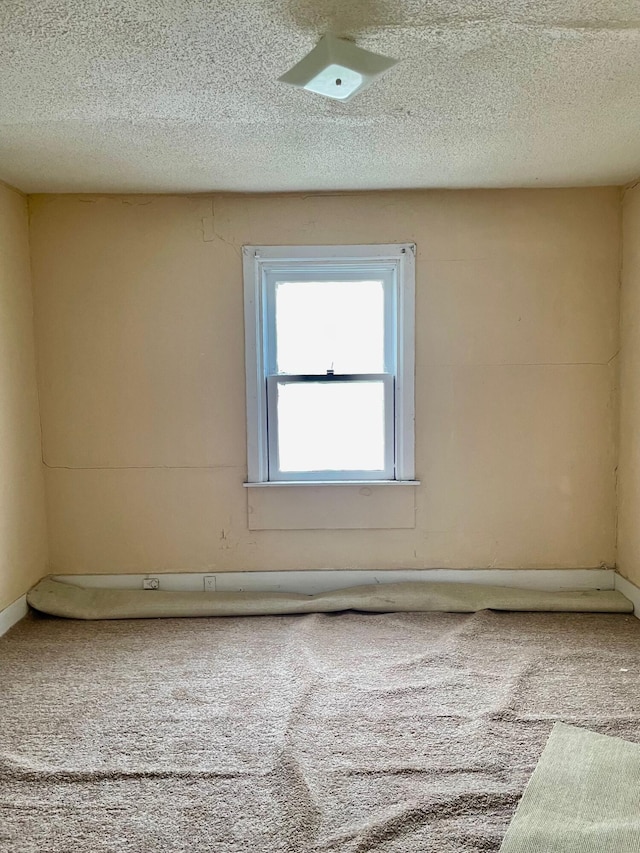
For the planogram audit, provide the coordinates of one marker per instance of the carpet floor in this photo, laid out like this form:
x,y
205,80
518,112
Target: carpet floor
x,y
397,733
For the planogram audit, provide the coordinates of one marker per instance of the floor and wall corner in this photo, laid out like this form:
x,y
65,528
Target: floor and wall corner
x,y
628,556
23,533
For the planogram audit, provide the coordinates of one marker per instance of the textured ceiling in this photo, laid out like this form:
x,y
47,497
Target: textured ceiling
x,y
181,95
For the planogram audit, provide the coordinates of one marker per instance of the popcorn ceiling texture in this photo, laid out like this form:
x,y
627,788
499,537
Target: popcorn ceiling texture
x,y
181,95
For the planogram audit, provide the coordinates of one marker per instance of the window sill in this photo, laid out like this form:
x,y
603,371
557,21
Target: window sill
x,y
306,483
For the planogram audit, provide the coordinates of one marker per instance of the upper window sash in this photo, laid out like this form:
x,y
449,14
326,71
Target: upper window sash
x,y
356,272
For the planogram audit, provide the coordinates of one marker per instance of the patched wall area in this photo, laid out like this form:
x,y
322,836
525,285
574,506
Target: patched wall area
x,y
139,327
629,469
23,533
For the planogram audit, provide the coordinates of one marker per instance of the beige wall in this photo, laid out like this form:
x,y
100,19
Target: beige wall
x,y
23,545
629,464
139,320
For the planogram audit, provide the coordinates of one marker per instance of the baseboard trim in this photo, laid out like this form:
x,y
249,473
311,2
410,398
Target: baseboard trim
x,y
630,591
311,582
13,614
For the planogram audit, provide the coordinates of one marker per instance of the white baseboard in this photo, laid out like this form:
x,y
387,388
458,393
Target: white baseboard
x,y
13,613
322,581
630,591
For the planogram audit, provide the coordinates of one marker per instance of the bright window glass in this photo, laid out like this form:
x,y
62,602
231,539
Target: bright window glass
x,y
331,426
329,325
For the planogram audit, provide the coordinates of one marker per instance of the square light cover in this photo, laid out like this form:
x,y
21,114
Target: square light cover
x,y
337,68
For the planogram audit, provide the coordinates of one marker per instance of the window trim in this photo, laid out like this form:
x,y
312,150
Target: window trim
x,y
257,261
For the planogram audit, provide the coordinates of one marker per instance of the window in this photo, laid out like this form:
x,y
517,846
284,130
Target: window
x,y
330,363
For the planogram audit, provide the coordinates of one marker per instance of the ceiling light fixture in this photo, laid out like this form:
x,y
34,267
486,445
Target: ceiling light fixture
x,y
337,68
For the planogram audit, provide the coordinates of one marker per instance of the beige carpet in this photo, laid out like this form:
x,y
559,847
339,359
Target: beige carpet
x,y
394,733
583,797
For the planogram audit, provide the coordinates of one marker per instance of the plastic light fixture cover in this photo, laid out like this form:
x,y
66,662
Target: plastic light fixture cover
x,y
337,68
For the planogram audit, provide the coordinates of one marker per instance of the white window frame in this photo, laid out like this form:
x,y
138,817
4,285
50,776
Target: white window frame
x,y
260,264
